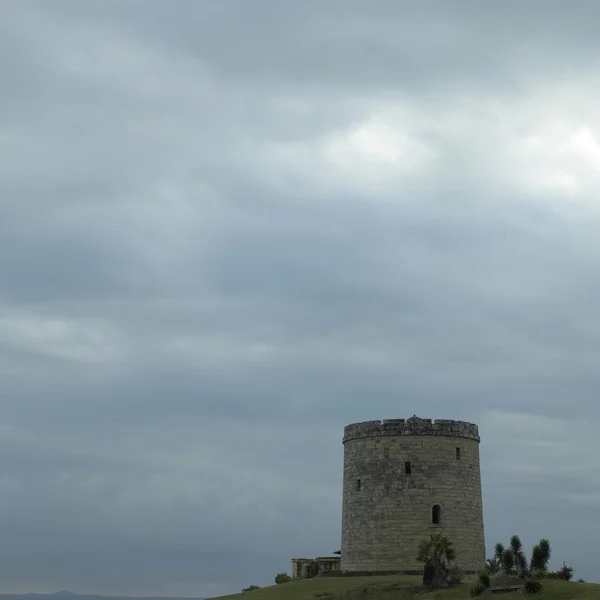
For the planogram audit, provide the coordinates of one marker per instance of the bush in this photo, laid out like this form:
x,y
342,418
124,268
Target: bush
x,y
505,580
532,586
282,578
250,588
539,573
484,579
477,590
454,576
565,572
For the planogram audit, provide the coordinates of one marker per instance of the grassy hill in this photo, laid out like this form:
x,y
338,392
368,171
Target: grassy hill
x,y
66,595
396,587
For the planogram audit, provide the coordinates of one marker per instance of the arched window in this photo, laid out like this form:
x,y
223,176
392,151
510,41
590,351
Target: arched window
x,y
436,514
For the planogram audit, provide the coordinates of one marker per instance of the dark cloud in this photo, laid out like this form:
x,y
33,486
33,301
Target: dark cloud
x,y
230,229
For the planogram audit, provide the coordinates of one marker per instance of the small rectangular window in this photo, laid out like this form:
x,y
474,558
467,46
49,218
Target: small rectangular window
x,y
458,454
358,485
407,468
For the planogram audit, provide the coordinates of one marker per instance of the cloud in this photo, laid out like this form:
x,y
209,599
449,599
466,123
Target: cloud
x,y
230,230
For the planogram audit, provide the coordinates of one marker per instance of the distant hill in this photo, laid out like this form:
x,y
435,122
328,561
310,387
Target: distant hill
x,y
67,595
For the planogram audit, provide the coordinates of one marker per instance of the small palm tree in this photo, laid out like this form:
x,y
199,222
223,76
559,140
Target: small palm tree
x,y
508,561
545,551
515,545
536,561
521,565
492,566
437,548
499,551
519,558
437,553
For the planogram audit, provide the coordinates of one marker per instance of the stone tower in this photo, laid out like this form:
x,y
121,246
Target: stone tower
x,y
406,479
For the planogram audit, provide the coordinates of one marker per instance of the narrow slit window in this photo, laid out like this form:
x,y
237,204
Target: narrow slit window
x,y
358,485
436,511
407,468
458,454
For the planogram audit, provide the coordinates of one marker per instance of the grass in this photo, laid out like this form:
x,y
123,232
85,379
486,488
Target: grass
x,y
399,587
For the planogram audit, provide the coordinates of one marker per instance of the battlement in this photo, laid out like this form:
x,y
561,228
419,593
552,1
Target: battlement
x,y
412,426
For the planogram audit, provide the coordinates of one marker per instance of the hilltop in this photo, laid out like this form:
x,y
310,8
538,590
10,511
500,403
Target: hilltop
x,y
397,587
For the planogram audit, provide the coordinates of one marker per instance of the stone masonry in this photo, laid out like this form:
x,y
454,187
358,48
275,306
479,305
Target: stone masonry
x,y
403,480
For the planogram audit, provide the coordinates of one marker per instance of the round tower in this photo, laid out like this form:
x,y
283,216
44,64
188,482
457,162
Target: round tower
x,y
403,480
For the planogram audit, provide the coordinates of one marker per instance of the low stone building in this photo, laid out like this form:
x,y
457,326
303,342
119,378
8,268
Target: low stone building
x,y
305,568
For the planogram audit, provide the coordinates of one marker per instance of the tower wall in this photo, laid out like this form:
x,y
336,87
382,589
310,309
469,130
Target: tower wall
x,y
385,516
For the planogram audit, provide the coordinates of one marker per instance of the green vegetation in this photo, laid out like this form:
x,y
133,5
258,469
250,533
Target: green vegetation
x,y
395,587
436,548
509,568
492,566
454,575
436,553
540,556
533,586
511,561
484,579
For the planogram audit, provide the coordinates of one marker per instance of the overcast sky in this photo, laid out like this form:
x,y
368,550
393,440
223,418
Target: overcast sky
x,y
229,228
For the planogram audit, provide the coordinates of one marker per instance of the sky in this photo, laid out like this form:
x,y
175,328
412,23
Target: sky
x,y
230,228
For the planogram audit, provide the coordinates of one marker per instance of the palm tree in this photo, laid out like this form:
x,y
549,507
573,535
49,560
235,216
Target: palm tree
x,y
508,561
537,560
492,566
437,553
515,545
519,558
437,548
545,551
499,551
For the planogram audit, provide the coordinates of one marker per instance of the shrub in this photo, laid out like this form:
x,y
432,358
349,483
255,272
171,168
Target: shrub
x,y
539,573
484,579
282,578
454,575
532,586
505,580
565,572
250,588
477,590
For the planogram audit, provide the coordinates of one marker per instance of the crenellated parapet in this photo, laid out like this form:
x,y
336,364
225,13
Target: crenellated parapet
x,y
412,426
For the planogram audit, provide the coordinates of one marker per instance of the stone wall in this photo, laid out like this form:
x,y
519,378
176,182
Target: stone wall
x,y
412,426
385,516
